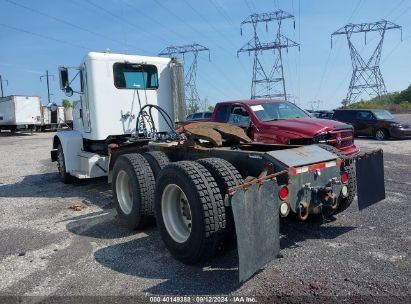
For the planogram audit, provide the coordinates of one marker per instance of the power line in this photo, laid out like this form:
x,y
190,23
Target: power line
x,y
248,5
396,6
327,62
218,45
403,13
215,29
222,11
394,48
141,29
206,21
151,18
178,17
43,36
66,22
354,12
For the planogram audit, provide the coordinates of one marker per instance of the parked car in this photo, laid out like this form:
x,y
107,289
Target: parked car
x,y
282,122
323,114
378,123
199,116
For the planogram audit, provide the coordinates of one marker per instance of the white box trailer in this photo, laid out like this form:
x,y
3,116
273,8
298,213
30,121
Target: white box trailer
x,y
57,117
52,120
46,115
20,112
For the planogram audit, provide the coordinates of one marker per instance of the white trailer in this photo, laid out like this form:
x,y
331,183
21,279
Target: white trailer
x,y
53,120
20,112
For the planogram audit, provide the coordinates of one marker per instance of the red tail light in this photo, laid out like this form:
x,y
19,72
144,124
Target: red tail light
x,y
283,192
344,178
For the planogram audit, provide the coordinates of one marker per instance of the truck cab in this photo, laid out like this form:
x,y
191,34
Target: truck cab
x,y
112,89
282,122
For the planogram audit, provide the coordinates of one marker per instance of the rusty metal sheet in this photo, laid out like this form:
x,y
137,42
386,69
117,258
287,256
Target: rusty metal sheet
x,y
215,132
301,156
256,217
370,178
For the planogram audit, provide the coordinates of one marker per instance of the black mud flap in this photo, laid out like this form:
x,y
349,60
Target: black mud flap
x,y
370,178
256,217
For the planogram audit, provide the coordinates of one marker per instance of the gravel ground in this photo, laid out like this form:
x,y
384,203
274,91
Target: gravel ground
x,y
48,249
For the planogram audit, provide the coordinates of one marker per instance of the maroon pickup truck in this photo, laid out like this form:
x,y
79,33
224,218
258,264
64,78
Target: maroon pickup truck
x,y
281,122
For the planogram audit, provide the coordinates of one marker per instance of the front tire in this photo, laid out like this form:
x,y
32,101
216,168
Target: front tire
x,y
381,134
61,166
189,211
133,190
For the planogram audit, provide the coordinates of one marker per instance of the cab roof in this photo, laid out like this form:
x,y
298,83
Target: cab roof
x,y
125,57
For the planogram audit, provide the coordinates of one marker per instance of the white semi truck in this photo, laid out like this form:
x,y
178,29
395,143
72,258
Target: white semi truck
x,y
19,112
203,180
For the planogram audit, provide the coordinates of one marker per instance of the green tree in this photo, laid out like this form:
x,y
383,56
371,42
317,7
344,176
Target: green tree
x,y
67,104
192,108
396,102
210,108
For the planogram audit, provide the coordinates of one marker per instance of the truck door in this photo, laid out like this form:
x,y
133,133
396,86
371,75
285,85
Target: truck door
x,y
85,110
239,116
235,114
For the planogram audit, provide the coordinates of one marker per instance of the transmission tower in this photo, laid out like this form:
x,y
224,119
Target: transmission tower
x,y
190,77
366,76
272,84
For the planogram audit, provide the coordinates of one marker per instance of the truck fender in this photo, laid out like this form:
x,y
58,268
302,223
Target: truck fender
x,y
72,143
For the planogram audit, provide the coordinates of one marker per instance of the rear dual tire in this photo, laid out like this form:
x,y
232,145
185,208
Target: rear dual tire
x,y
226,176
133,190
188,205
189,211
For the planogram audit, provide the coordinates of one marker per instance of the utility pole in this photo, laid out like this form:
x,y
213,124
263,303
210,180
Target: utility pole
x,y
190,78
47,76
366,76
272,84
1,84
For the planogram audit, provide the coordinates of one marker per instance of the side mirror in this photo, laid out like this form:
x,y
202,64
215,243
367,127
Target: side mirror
x,y
68,91
64,81
64,78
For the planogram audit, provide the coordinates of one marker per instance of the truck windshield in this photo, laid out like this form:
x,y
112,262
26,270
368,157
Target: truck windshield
x,y
277,110
135,76
383,114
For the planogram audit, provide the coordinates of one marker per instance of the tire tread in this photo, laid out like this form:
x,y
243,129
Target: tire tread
x,y
213,210
145,178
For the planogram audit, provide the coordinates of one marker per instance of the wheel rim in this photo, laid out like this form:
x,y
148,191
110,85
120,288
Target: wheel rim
x,y
124,191
176,213
380,134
